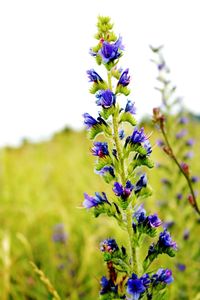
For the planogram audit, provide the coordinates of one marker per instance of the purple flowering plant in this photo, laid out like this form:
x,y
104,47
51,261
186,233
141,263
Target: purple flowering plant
x,y
175,141
118,158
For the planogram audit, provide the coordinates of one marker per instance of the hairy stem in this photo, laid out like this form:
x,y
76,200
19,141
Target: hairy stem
x,y
134,263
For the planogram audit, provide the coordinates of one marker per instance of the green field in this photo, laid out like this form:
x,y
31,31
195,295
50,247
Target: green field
x,y
42,185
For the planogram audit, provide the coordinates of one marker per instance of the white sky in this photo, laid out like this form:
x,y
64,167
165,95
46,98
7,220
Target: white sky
x,y
44,57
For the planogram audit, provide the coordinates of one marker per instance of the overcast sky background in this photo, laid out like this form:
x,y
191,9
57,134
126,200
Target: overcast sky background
x,y
44,57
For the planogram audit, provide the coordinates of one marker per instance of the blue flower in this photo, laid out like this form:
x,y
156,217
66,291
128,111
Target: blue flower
x,y
183,120
135,287
130,107
165,240
138,136
162,276
124,79
142,182
181,133
121,191
140,214
121,134
190,142
194,179
100,149
59,234
105,98
94,76
181,267
154,221
106,169
147,146
90,201
109,52
108,286
145,280
89,121
109,245
160,143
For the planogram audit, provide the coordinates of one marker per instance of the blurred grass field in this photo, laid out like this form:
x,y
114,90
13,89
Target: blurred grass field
x,y
42,185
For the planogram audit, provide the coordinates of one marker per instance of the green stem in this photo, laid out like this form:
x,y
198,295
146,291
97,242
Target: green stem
x,y
134,262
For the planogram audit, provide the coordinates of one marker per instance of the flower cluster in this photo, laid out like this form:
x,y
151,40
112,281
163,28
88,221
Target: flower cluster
x,y
118,158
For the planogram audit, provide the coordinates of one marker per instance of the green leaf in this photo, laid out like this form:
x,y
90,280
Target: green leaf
x,y
96,86
128,117
98,59
102,162
122,90
95,130
107,112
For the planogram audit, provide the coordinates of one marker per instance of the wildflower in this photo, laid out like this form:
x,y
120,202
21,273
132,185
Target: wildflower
x,y
108,286
121,191
94,201
124,79
105,98
181,133
89,121
160,143
147,147
140,214
181,267
190,142
100,149
194,179
109,52
135,286
121,134
138,136
154,221
106,169
165,240
163,276
59,234
183,120
130,107
94,76
188,155
142,182
109,245
179,196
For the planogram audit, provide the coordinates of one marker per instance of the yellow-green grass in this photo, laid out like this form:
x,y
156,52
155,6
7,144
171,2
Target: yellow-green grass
x,y
42,185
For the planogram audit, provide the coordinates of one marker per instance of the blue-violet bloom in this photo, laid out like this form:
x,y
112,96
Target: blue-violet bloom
x,y
105,98
90,201
109,245
121,191
109,52
138,136
135,287
108,286
130,107
165,240
154,221
100,149
142,182
162,276
124,79
89,121
94,76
